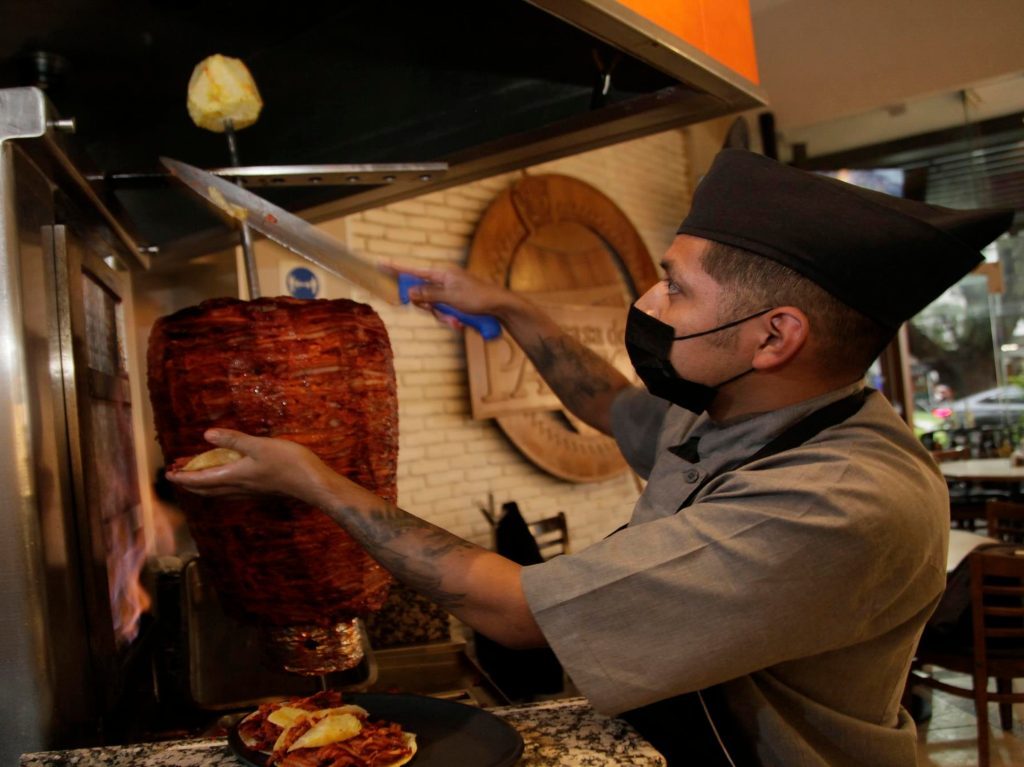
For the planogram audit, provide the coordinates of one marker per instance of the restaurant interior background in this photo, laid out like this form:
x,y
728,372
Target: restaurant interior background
x,y
926,100
930,89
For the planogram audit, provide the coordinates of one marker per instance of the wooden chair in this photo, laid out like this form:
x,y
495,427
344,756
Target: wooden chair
x,y
1005,521
996,648
552,535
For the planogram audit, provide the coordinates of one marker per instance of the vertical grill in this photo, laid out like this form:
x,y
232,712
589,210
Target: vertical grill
x,y
71,534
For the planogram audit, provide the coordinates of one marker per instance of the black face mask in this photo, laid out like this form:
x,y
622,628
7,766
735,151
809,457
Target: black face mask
x,y
649,344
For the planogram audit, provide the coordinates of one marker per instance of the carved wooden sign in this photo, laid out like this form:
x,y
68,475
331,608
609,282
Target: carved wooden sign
x,y
574,252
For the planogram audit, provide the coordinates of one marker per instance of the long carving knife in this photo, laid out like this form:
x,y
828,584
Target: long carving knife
x,y
306,240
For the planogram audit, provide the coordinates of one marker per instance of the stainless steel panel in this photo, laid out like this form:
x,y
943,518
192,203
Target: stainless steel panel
x,y
58,657
41,618
21,628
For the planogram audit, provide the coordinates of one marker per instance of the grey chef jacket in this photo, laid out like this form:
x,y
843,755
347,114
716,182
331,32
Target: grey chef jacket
x,y
800,582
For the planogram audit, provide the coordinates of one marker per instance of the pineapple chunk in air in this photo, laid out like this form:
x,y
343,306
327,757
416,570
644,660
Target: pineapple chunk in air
x,y
221,89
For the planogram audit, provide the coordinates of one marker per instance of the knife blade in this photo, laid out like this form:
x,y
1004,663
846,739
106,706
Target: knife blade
x,y
306,240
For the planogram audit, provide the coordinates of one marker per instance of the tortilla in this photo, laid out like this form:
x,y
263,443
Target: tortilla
x,y
219,456
410,742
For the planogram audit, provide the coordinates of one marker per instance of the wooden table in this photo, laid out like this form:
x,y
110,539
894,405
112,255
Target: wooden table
x,y
962,543
979,476
983,470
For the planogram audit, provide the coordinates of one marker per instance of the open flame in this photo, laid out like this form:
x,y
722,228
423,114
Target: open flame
x,y
125,558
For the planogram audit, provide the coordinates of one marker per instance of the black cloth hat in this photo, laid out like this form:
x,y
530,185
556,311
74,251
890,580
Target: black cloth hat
x,y
884,256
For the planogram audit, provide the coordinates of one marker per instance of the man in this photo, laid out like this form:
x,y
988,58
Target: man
x,y
791,540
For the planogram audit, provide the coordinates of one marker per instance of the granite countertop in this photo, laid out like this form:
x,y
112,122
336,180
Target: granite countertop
x,y
569,733
560,733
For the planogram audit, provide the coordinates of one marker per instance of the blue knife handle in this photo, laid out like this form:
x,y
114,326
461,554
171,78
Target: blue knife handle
x,y
487,326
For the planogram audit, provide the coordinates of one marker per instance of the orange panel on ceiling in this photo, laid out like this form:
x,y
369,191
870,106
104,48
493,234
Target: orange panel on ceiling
x,y
683,18
720,28
729,35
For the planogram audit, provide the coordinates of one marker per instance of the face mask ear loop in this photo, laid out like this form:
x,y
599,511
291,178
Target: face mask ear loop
x,y
727,325
735,377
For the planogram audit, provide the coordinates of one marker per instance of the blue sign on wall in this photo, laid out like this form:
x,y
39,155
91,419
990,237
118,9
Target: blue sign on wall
x,y
302,283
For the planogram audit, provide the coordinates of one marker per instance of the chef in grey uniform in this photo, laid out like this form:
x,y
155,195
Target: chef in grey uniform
x,y
763,603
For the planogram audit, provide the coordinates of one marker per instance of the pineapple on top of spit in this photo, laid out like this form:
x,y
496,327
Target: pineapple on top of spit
x,y
222,89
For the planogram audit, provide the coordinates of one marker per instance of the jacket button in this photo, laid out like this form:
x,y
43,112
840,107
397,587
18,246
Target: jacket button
x,y
692,475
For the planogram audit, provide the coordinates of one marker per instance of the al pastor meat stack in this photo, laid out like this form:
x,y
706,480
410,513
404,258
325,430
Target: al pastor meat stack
x,y
318,373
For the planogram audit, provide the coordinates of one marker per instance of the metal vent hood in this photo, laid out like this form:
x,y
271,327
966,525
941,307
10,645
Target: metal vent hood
x,y
485,87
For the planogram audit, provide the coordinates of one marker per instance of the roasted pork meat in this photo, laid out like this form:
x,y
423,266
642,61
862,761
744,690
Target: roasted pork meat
x,y
318,373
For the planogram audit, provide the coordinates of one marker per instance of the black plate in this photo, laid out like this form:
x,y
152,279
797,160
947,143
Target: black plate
x,y
447,733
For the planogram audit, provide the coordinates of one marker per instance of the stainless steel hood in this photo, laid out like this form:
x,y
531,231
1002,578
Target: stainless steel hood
x,y
485,87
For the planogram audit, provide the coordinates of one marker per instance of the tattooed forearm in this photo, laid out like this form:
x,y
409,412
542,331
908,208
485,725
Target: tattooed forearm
x,y
412,549
425,580
477,586
585,383
386,522
577,374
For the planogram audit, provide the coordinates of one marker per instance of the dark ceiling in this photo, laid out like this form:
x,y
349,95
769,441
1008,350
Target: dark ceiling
x,y
342,82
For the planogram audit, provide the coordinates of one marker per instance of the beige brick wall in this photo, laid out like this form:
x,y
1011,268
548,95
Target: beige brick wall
x,y
448,463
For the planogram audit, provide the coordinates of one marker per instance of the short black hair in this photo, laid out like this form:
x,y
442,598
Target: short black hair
x,y
848,339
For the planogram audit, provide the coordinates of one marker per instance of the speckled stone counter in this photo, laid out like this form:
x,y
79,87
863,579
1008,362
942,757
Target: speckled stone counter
x,y
562,733
569,733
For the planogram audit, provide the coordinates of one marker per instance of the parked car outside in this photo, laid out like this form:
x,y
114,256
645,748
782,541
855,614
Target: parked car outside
x,y
1001,406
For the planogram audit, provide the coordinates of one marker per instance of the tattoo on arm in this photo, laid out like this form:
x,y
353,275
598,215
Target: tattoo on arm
x,y
409,547
576,373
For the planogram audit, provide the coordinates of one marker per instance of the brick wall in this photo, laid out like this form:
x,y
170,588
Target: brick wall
x,y
448,463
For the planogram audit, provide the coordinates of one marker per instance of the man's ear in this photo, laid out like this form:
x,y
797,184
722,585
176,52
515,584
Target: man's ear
x,y
784,332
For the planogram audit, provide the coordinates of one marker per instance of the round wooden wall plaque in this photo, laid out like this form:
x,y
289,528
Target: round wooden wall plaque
x,y
570,247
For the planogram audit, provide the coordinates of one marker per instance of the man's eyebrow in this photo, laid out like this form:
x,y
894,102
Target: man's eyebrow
x,y
670,271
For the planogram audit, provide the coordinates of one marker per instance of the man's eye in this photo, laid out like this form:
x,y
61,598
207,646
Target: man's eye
x,y
670,287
